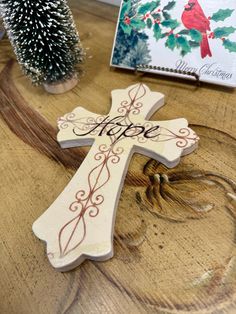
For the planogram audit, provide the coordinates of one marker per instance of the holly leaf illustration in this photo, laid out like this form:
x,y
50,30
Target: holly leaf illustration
x,y
149,23
156,16
137,24
147,7
170,23
183,53
183,44
221,15
170,5
125,10
229,45
163,35
166,15
195,35
193,44
220,32
184,32
126,28
171,42
157,31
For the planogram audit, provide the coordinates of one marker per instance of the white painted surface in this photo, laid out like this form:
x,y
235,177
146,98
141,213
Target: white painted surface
x,y
79,224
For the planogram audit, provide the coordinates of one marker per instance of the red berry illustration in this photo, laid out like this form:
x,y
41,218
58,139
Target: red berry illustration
x,y
211,35
127,20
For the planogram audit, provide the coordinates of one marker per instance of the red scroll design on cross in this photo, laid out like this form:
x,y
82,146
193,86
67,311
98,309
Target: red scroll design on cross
x,y
88,202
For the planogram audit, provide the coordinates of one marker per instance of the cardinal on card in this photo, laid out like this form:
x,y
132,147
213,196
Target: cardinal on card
x,y
193,17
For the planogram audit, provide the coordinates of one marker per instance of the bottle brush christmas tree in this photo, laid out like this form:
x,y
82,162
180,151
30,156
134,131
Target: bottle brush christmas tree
x,y
44,38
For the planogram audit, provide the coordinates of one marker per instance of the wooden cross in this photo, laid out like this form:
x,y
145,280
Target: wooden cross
x,y
79,225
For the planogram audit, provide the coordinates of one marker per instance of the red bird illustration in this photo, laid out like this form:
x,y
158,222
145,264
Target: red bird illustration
x,y
194,17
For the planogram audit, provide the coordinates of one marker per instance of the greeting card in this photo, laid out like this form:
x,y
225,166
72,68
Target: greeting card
x,y
189,36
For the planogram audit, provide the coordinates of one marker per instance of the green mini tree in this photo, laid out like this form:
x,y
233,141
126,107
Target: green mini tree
x,y
44,38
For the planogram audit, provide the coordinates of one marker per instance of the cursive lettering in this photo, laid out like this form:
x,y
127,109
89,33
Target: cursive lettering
x,y
208,69
119,128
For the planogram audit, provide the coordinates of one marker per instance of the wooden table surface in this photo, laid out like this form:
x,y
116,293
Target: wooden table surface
x,y
175,229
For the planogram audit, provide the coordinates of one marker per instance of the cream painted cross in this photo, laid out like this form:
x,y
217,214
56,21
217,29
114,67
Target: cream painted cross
x,y
79,225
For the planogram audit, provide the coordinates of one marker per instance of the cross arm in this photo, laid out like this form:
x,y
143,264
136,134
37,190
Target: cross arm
x,y
78,128
167,141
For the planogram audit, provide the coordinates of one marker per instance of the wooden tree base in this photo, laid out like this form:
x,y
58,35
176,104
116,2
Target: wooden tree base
x,y
61,87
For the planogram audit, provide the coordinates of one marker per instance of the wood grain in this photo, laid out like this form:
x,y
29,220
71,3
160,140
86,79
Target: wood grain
x,y
167,259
